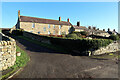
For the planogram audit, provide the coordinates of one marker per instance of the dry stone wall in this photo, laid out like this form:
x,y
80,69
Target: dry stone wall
x,y
7,53
113,47
36,37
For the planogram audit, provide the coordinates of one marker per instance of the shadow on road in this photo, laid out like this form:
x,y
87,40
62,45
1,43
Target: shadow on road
x,y
35,47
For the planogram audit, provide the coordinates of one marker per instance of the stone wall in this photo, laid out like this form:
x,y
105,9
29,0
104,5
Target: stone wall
x,y
7,53
36,37
113,47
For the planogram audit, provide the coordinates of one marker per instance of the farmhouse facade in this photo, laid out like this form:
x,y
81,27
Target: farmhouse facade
x,y
43,26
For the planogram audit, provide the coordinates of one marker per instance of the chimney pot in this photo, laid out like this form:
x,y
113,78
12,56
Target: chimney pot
x,y
78,23
89,27
18,12
59,18
103,29
114,30
68,20
108,29
94,28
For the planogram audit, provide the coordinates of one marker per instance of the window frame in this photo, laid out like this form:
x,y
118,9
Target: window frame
x,y
59,32
38,32
53,32
53,26
49,32
33,25
48,25
44,29
59,26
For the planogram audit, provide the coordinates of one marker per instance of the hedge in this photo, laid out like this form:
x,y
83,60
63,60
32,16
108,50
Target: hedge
x,y
81,44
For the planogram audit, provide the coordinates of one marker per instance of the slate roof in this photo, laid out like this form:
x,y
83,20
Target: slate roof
x,y
79,27
42,20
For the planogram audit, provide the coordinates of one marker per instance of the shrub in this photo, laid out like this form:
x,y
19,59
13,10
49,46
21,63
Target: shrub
x,y
83,33
72,36
114,37
81,44
18,32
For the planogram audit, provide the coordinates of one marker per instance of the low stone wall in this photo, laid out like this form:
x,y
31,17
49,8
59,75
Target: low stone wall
x,y
36,37
113,47
7,53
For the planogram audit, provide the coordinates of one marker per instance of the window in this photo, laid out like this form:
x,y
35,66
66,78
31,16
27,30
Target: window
x,y
33,25
59,32
48,32
31,31
59,26
69,28
54,32
48,26
44,28
53,26
39,32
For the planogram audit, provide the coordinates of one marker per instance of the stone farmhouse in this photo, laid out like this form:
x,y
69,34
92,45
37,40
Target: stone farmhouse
x,y
97,32
43,26
90,30
78,28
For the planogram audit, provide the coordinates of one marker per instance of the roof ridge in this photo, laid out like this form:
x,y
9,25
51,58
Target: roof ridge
x,y
45,18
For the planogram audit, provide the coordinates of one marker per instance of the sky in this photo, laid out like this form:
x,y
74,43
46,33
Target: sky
x,y
103,15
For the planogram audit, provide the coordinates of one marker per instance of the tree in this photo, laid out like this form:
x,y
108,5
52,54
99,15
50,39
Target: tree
x,y
114,37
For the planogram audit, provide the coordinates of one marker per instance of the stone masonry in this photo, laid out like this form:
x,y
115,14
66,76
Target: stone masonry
x,y
113,47
7,53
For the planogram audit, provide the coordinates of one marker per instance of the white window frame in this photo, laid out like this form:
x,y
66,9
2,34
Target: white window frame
x,y
31,31
44,29
48,32
53,26
59,32
48,25
54,32
38,32
59,26
33,25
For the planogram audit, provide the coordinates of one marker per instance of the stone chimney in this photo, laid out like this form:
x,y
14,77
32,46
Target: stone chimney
x,y
94,28
103,29
68,20
97,28
108,29
18,13
59,18
89,27
78,23
114,30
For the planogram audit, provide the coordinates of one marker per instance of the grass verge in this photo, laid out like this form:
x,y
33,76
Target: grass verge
x,y
21,61
50,46
107,56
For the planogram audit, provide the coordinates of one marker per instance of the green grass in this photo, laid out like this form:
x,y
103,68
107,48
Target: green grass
x,y
21,61
50,46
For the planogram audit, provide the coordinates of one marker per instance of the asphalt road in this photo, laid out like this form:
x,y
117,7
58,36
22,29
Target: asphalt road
x,y
46,63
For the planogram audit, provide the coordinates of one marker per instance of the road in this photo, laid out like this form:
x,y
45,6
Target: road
x,y
46,63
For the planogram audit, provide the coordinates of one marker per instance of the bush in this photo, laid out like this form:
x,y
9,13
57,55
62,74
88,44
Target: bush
x,y
18,32
83,33
81,44
72,36
114,37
